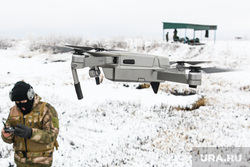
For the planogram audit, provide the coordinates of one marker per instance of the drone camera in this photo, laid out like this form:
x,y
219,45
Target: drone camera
x,y
94,72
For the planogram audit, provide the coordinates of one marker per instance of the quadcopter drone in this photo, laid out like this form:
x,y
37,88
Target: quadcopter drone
x,y
126,66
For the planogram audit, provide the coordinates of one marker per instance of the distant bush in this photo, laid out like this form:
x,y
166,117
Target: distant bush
x,y
107,43
128,44
116,44
245,88
6,43
53,43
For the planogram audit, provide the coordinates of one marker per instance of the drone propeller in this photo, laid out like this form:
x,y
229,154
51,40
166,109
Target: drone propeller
x,y
85,48
103,54
207,69
181,66
80,48
189,62
97,53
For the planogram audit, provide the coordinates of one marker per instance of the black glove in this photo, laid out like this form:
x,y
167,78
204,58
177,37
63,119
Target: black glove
x,y
23,131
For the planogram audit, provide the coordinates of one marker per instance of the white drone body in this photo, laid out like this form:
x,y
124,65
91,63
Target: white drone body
x,y
134,67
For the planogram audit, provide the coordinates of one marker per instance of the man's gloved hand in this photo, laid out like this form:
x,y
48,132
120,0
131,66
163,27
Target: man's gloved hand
x,y
23,131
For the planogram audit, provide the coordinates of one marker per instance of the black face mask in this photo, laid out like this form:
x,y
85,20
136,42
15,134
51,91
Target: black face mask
x,y
28,106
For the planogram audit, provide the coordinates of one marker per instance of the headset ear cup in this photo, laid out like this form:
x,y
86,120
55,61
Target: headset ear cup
x,y
30,94
10,95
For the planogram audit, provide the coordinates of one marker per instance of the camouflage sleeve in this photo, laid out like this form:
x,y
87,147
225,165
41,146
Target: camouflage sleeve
x,y
9,139
50,127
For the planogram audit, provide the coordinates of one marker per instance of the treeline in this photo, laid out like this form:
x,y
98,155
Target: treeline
x,y
54,44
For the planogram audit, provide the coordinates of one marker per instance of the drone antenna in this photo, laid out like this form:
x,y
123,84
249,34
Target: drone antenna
x,y
4,125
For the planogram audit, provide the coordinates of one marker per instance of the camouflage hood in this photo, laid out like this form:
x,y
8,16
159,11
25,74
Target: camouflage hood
x,y
37,99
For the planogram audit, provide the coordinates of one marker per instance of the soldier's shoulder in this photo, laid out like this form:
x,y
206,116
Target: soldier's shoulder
x,y
13,108
51,109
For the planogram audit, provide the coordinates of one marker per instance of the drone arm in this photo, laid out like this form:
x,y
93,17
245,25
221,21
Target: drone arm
x,y
170,76
192,78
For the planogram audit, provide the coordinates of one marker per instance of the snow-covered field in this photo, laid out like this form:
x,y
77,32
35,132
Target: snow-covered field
x,y
116,125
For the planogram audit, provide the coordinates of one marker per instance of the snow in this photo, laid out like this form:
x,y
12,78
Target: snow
x,y
116,125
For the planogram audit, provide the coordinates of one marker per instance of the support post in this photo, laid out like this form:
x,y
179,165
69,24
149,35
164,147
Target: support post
x,y
163,33
214,36
185,36
194,37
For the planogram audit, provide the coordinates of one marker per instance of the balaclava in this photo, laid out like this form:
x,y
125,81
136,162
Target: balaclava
x,y
18,93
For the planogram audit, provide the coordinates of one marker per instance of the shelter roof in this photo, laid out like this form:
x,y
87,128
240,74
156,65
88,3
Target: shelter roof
x,y
168,25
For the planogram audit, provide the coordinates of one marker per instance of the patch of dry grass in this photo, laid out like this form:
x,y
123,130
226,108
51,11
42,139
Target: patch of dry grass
x,y
194,106
245,88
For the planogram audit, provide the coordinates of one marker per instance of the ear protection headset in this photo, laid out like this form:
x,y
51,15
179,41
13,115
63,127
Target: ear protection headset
x,y
30,94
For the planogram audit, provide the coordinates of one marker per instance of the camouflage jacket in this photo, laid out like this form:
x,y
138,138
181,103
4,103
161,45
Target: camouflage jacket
x,y
43,120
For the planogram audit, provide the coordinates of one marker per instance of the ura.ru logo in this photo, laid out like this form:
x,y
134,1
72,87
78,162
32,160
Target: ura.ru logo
x,y
220,158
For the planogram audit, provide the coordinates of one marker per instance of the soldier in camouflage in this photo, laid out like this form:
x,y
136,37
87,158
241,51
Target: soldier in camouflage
x,y
36,128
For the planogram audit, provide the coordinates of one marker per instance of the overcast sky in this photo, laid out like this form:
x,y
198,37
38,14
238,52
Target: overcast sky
x,y
120,18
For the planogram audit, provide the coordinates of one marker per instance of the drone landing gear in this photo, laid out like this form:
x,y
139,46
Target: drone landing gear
x,y
155,86
97,80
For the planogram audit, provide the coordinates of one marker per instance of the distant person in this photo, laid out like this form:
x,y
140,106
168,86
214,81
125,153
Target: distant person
x,y
36,128
167,37
175,37
195,41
